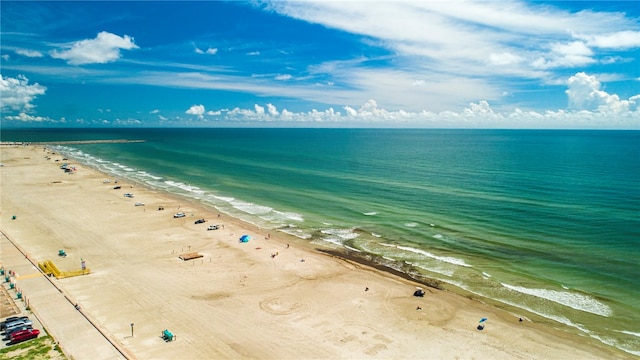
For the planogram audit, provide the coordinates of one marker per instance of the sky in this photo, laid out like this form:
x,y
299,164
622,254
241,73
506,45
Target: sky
x,y
426,64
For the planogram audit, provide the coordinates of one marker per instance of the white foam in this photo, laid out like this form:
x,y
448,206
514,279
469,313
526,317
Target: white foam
x,y
223,198
447,259
376,235
146,174
344,234
445,272
185,187
486,274
251,208
372,213
411,224
296,232
630,333
573,300
290,215
352,248
438,236
333,240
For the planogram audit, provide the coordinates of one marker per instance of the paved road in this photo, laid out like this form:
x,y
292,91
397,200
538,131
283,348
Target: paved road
x,y
76,335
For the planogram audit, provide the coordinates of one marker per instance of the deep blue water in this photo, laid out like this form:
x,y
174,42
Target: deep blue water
x,y
547,221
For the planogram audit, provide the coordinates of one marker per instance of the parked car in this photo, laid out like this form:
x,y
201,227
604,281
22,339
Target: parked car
x,y
24,335
129,195
213,227
117,187
139,204
7,336
9,320
200,221
179,215
17,324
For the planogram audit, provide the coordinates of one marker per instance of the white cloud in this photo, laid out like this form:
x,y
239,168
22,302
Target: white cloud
x,y
17,94
471,39
29,53
591,108
569,55
283,77
504,58
197,110
616,40
103,49
585,94
27,118
271,109
209,51
253,53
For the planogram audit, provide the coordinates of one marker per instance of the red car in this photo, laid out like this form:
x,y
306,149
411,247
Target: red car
x,y
24,335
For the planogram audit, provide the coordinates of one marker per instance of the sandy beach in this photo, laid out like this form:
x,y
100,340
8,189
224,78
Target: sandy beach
x,y
274,297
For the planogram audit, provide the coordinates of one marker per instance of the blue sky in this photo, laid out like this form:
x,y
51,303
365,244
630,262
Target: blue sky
x,y
451,64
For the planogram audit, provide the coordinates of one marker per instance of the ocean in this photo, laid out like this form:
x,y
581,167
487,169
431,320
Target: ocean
x,y
543,223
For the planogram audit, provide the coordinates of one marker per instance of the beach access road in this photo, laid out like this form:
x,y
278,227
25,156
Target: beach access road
x,y
55,310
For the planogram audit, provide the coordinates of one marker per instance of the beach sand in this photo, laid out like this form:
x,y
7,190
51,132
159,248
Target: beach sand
x,y
237,300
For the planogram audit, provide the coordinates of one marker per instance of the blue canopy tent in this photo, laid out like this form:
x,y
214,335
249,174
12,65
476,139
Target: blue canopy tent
x,y
245,238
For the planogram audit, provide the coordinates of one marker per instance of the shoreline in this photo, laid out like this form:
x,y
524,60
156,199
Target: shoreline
x,y
346,274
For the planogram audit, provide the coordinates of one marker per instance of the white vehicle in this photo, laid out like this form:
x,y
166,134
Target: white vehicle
x,y
213,227
179,215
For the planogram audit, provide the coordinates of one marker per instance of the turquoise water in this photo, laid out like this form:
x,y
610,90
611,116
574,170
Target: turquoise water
x,y
546,221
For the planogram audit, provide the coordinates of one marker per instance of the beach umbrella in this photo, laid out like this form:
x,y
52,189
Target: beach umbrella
x,y
245,238
483,320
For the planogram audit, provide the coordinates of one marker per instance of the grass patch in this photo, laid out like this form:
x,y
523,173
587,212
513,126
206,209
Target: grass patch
x,y
42,348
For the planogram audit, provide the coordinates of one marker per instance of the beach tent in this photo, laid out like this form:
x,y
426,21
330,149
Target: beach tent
x,y
245,238
480,324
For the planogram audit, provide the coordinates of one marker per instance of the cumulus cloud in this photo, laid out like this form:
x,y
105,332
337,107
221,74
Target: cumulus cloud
x,y
104,48
197,110
589,106
27,118
29,53
271,109
585,94
17,94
